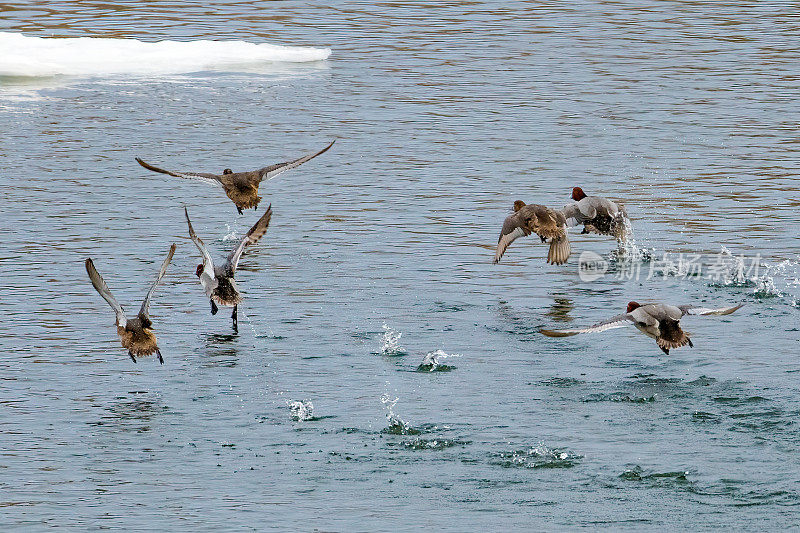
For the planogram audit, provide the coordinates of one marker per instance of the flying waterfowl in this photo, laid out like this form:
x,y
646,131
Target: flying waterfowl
x,y
548,224
598,215
241,187
217,281
658,321
136,334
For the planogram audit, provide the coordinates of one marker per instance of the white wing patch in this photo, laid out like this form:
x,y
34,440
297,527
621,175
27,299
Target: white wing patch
x,y
618,321
198,177
705,311
207,277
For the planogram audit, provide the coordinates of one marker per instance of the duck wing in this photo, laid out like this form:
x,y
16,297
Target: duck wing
x,y
273,170
612,323
705,311
207,277
253,236
573,215
101,287
144,311
213,179
513,228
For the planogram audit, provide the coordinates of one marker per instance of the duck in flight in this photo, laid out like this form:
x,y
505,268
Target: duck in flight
x,y
658,321
136,334
549,224
217,281
241,187
597,215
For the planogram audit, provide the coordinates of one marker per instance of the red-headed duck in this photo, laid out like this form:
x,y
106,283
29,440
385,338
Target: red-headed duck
x,y
658,321
217,281
597,215
241,187
548,224
136,334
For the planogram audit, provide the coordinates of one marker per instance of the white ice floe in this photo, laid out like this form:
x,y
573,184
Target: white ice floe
x,y
22,55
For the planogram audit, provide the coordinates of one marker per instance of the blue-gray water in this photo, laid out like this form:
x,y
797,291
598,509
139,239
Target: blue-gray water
x,y
445,115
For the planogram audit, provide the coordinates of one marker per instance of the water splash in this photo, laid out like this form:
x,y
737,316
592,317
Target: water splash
x,y
764,279
301,410
628,251
418,443
538,457
231,235
636,473
390,342
397,426
432,362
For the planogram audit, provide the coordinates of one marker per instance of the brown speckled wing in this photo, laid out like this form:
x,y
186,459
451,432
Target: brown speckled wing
x,y
253,236
513,229
100,286
144,311
202,176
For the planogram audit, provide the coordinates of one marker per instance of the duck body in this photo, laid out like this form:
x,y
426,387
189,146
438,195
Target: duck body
x,y
138,337
218,281
662,323
597,215
658,321
226,293
136,334
240,187
549,224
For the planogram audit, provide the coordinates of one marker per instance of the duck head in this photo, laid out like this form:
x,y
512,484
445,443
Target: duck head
x,y
578,194
227,171
632,306
519,204
199,270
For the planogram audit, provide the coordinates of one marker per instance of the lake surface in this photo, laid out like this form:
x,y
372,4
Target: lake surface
x,y
380,252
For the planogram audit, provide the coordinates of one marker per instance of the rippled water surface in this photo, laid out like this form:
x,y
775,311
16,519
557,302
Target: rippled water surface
x,y
386,375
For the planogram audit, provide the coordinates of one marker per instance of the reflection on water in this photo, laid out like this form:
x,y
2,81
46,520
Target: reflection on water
x,y
560,308
133,412
220,350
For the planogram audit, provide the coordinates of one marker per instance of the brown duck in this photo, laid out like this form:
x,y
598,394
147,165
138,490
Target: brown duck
x,y
548,224
136,334
241,187
658,321
217,281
